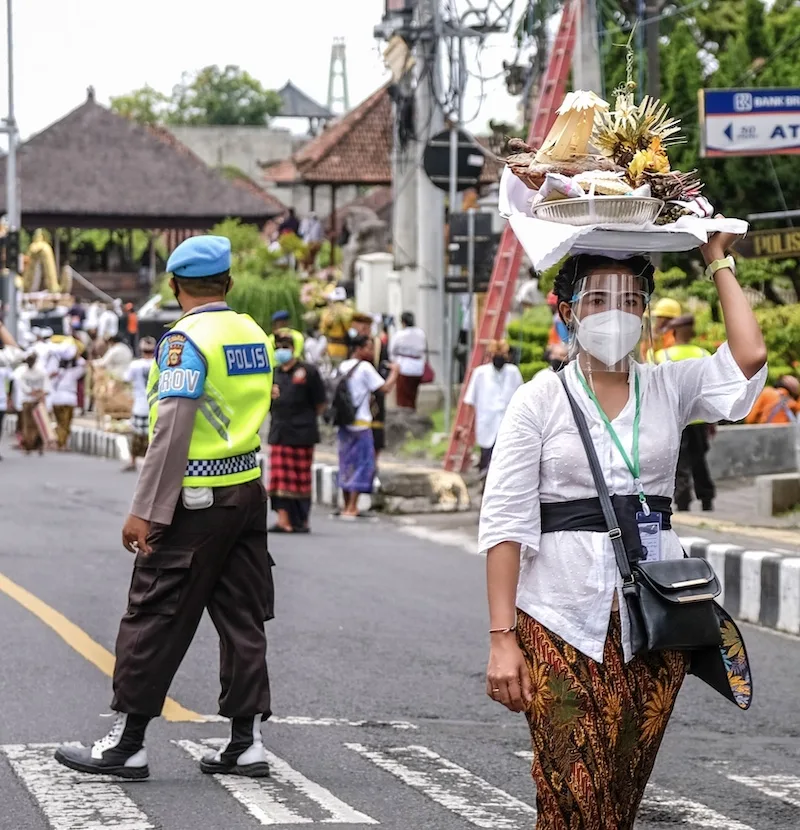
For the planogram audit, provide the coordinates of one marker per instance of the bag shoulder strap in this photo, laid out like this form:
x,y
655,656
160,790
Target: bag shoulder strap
x,y
614,531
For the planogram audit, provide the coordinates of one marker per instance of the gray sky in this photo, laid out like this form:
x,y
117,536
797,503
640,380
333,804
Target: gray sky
x,y
63,46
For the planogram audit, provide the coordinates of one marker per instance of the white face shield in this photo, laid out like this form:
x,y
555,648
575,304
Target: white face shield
x,y
608,323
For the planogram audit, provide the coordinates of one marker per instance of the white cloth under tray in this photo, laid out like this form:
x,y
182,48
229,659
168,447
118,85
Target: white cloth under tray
x,y
546,243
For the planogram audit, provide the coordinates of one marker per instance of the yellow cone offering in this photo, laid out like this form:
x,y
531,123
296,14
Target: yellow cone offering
x,y
570,135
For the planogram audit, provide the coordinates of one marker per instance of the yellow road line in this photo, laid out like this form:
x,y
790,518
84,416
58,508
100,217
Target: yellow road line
x,y
81,642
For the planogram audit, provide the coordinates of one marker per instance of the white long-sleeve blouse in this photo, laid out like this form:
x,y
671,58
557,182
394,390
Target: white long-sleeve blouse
x,y
568,578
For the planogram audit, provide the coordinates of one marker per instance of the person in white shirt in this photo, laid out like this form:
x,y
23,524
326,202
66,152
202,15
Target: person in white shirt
x,y
137,374
355,442
5,377
408,348
117,359
32,386
311,230
316,346
561,647
10,353
489,392
108,323
64,391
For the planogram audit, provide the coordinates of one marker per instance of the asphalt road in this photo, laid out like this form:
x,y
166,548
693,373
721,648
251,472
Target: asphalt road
x,y
377,660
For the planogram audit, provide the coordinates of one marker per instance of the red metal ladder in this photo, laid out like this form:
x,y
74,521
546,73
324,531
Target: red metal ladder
x,y
509,255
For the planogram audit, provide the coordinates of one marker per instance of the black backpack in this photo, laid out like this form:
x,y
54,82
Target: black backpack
x,y
342,411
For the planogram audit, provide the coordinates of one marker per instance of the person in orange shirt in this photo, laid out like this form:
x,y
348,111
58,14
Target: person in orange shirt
x,y
777,404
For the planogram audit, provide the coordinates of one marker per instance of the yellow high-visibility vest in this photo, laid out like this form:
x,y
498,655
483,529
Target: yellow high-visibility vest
x,y
235,397
297,339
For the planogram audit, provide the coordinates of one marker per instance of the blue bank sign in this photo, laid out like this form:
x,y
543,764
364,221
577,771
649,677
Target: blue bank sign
x,y
749,122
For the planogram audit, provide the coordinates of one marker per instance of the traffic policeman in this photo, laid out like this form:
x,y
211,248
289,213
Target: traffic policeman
x,y
280,321
197,525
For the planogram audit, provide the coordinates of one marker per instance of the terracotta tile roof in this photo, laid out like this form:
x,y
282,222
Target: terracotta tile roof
x,y
94,168
282,172
357,149
354,149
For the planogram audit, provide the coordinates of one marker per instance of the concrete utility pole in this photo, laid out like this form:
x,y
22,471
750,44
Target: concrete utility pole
x,y
12,208
430,200
405,161
586,67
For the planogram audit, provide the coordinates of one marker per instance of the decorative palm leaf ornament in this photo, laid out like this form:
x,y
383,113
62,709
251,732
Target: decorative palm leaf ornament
x,y
611,151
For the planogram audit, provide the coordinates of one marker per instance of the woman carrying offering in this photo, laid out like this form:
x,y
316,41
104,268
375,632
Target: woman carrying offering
x,y
560,633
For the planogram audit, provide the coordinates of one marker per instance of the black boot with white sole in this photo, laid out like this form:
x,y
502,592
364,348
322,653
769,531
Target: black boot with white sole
x,y
244,754
120,753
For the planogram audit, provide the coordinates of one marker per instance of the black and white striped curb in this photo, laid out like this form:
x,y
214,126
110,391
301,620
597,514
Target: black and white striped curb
x,y
325,484
98,442
86,440
758,586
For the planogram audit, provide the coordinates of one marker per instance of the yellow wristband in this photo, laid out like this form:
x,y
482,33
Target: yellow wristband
x,y
719,264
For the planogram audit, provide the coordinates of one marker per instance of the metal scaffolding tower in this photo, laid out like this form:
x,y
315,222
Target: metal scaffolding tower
x,y
338,99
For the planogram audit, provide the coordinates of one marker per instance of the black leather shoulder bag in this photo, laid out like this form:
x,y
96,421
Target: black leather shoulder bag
x,y
671,602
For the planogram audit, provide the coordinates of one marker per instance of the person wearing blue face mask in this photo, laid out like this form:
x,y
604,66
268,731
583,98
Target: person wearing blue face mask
x,y
298,398
280,321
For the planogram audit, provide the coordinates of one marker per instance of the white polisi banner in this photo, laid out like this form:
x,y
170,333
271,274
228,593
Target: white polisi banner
x,y
750,122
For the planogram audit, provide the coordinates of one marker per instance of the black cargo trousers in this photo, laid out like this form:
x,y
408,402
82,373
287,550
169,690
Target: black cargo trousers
x,y
214,558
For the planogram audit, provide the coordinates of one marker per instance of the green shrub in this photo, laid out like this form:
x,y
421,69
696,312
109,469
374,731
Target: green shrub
x,y
529,352
519,332
777,371
261,296
260,286
530,369
781,328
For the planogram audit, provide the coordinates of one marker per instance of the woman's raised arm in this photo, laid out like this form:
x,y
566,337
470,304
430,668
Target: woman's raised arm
x,y
744,334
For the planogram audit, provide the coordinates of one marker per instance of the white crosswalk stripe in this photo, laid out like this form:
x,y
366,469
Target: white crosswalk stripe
x,y
784,787
69,800
450,785
689,812
72,801
284,798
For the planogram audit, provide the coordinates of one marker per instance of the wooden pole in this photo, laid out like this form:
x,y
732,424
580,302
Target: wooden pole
x,y
652,10
333,217
57,251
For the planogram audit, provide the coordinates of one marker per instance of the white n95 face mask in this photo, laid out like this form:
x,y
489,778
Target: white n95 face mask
x,y
609,336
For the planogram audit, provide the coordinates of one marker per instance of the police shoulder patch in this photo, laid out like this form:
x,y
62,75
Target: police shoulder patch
x,y
247,359
175,345
182,368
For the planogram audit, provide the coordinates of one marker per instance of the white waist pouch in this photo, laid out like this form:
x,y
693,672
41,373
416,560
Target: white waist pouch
x,y
197,498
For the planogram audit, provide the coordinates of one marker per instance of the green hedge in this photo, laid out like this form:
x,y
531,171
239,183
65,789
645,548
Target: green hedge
x,y
530,369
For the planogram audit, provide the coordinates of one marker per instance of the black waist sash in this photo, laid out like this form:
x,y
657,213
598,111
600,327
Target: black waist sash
x,y
586,514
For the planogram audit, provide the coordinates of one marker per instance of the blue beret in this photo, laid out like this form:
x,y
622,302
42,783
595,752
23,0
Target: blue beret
x,y
200,256
280,315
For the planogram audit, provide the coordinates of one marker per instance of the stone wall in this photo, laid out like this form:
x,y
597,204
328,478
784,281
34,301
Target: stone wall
x,y
745,451
242,147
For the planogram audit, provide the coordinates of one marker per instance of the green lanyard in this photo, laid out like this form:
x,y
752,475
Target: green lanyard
x,y
632,465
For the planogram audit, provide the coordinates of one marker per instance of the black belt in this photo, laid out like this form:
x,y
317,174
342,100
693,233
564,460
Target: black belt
x,y
586,514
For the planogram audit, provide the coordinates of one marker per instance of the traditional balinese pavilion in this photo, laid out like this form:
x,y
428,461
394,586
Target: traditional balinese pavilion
x,y
94,169
355,150
296,104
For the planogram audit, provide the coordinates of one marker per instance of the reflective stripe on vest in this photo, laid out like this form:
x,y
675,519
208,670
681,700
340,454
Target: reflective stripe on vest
x,y
235,402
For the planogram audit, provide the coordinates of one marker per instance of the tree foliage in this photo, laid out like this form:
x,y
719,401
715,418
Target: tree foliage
x,y
226,96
